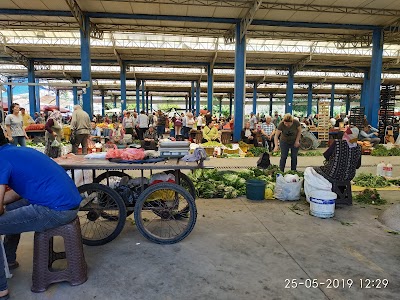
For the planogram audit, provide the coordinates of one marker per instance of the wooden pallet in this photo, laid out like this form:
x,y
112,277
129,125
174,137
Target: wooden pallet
x,y
323,121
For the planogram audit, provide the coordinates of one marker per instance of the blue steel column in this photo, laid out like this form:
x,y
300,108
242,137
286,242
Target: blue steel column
x,y
37,92
9,94
192,97
375,77
347,104
147,102
123,86
332,99
271,96
210,88
255,98
365,91
103,104
220,106
75,93
138,96
58,98
143,95
198,91
240,80
151,103
309,100
87,98
289,92
115,101
230,104
31,88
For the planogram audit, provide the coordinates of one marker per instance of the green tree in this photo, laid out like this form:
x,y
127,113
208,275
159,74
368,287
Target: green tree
x,y
167,107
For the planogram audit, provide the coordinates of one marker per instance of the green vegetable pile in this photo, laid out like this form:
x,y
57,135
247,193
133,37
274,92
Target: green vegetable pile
x,y
310,153
380,150
371,181
211,183
211,144
257,151
370,196
229,146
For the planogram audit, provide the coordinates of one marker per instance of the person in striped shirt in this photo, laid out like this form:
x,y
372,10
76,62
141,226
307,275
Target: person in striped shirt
x,y
267,132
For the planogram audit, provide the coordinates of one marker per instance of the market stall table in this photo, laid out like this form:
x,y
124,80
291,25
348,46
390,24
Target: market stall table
x,y
164,213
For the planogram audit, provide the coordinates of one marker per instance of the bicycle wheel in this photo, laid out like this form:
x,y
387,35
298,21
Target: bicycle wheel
x,y
306,143
160,213
185,182
102,214
114,177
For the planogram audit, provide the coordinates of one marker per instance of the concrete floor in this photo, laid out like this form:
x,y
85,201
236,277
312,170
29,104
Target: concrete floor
x,y
241,249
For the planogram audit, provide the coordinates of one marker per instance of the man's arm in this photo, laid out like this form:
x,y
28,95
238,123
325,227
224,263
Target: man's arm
x,y
2,193
277,133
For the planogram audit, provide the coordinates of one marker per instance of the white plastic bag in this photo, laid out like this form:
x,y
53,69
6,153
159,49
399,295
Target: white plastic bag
x,y
162,177
55,143
314,182
81,177
287,191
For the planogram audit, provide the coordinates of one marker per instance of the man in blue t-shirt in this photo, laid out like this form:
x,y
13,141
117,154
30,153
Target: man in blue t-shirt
x,y
42,196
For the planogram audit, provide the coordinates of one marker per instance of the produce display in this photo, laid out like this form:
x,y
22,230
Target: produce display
x,y
380,150
310,153
371,181
211,144
257,151
211,183
34,127
370,196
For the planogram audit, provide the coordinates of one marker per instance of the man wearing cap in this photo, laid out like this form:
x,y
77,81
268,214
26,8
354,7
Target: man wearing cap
x,y
37,201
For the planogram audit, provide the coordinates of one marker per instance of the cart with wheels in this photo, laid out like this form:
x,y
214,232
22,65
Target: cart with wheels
x,y
165,213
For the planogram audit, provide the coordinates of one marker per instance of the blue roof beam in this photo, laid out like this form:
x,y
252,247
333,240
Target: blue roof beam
x,y
94,32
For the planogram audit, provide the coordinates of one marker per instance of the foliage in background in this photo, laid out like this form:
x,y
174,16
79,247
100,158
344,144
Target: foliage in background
x,y
380,150
371,181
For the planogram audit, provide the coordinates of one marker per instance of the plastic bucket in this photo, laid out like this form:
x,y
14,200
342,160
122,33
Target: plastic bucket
x,y
322,204
255,189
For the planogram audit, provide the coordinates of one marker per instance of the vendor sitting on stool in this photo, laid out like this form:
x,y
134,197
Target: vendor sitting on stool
x,y
343,157
42,197
150,139
370,134
95,132
210,133
248,136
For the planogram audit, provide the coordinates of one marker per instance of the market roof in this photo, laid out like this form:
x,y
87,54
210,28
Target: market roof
x,y
324,35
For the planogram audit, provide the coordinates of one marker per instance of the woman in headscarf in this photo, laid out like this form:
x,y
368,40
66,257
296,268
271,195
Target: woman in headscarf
x,y
343,157
54,131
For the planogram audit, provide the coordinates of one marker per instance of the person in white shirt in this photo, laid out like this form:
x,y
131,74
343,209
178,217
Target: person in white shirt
x,y
200,122
253,121
143,124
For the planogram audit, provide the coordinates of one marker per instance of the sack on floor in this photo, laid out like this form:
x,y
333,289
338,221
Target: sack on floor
x,y
314,181
287,191
264,161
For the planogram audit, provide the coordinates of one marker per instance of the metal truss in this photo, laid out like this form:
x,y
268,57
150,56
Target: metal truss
x,y
246,21
17,56
298,36
356,41
95,32
302,62
37,25
277,6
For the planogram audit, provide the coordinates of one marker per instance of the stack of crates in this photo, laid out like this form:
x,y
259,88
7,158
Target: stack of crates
x,y
356,117
323,121
386,111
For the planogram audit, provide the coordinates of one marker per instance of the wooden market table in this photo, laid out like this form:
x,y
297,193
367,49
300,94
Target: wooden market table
x,y
165,212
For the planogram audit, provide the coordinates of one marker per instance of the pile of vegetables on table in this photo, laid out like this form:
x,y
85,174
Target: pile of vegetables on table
x,y
380,150
228,184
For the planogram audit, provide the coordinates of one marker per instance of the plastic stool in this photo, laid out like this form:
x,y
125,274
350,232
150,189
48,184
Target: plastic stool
x,y
343,192
44,256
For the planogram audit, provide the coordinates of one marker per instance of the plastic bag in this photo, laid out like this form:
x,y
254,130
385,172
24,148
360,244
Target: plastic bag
x,y
287,191
82,177
132,154
315,182
162,177
55,143
114,153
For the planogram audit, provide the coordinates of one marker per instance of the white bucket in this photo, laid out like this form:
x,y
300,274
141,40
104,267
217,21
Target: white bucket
x,y
322,204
